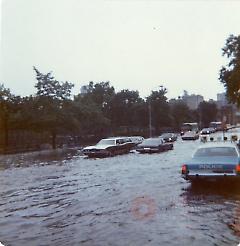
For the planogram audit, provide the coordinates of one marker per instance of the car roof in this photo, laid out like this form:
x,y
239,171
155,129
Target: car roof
x,y
190,132
217,144
154,138
115,138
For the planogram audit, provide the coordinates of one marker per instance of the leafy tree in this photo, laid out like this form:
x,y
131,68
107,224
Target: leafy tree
x,y
207,113
50,105
90,116
230,74
100,93
180,113
50,88
7,100
159,108
125,107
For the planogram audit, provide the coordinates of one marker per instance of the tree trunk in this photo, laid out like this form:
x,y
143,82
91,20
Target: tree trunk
x,y
6,135
54,140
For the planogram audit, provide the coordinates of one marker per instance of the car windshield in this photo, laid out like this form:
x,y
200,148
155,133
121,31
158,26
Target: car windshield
x,y
166,135
216,151
106,142
152,141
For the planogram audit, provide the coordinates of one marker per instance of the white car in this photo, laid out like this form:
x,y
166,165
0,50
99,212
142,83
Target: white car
x,y
137,139
109,147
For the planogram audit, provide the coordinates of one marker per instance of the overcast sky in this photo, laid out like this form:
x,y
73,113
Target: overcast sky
x,y
134,44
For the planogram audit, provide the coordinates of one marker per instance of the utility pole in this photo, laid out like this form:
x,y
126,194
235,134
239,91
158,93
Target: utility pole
x,y
224,120
150,119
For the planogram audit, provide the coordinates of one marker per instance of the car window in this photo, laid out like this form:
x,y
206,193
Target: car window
x,y
166,135
216,151
106,142
127,140
152,141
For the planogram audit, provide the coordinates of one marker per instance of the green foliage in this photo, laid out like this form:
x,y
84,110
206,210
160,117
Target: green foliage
x,y
8,108
126,107
100,93
180,113
51,105
99,111
207,113
160,109
47,86
230,74
90,116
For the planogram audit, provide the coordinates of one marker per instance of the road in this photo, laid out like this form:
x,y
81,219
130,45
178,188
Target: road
x,y
133,199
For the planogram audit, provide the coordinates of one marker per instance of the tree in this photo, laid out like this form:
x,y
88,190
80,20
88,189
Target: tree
x,y
207,113
90,116
230,74
100,93
124,108
7,100
50,88
180,113
51,101
160,108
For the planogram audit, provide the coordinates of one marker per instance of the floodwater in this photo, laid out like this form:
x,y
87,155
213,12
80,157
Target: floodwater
x,y
62,198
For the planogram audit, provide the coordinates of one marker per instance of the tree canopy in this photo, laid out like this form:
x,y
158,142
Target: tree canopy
x,y
98,111
230,74
207,113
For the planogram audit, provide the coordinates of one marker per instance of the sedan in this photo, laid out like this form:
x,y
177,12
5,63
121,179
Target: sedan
x,y
191,135
109,147
153,145
206,131
169,137
213,161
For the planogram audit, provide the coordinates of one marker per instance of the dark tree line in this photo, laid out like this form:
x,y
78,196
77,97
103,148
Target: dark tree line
x,y
98,112
101,111
230,74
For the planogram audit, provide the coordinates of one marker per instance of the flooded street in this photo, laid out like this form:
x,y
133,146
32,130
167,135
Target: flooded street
x,y
133,199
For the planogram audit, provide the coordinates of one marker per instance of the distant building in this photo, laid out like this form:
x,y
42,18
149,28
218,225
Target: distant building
x,y
193,100
226,109
221,96
221,100
84,89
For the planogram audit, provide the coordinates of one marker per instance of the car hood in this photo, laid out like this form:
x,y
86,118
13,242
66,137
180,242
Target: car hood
x,y
98,147
148,145
189,135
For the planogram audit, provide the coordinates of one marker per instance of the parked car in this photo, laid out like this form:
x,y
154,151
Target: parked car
x,y
154,145
137,139
212,129
109,147
238,144
169,137
206,131
213,161
191,135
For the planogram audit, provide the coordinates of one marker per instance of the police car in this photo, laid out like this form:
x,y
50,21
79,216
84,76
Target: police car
x,y
213,161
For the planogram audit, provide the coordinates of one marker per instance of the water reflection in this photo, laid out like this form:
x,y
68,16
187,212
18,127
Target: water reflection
x,y
215,201
132,199
40,158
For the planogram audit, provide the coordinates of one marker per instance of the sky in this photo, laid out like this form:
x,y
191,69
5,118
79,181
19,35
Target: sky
x,y
134,44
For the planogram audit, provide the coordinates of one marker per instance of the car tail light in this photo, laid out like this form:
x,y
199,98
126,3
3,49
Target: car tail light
x,y
184,169
238,169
